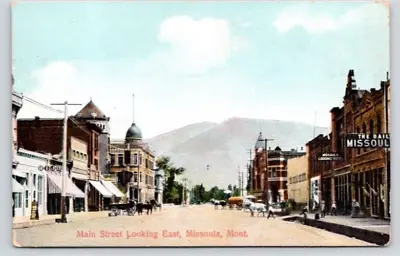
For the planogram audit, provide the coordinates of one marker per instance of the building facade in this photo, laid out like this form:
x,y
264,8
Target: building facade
x,y
275,184
364,174
133,163
79,172
46,135
297,171
30,182
319,171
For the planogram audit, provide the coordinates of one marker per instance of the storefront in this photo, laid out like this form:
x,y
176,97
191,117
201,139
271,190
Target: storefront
x,y
29,182
54,192
82,182
117,194
315,191
99,195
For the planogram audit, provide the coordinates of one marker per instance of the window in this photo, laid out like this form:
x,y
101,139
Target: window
x,y
371,126
17,200
34,180
96,163
135,159
40,189
364,128
140,177
135,177
120,159
379,124
147,163
96,142
140,159
113,160
26,198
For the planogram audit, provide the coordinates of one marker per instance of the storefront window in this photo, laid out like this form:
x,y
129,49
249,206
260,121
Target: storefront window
x,y
17,200
26,198
40,189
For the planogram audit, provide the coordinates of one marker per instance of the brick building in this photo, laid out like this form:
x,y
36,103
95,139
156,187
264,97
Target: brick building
x,y
318,184
364,174
277,172
45,135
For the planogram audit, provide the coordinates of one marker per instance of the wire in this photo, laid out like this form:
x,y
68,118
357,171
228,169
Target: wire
x,y
41,104
35,102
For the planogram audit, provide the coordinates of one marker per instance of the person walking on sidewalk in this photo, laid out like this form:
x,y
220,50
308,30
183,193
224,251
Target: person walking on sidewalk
x,y
323,209
333,208
270,212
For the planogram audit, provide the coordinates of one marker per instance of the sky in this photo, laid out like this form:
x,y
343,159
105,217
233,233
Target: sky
x,y
189,62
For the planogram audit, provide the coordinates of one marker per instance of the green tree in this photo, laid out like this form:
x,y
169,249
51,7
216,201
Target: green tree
x,y
171,187
235,191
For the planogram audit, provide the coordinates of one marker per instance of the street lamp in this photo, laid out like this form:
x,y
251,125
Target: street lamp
x,y
266,187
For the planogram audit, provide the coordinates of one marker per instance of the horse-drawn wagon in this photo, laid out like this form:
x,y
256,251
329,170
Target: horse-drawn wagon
x,y
122,209
235,202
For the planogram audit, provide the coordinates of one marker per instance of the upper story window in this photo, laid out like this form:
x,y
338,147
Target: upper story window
x,y
379,124
135,159
113,160
371,126
120,159
140,159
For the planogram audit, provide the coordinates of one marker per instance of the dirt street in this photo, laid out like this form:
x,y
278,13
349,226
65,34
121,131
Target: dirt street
x,y
177,226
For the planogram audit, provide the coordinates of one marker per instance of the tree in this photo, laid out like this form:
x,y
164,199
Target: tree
x,y
235,191
171,188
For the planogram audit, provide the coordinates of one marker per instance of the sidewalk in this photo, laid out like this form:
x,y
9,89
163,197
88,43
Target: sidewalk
x,y
371,224
25,222
377,225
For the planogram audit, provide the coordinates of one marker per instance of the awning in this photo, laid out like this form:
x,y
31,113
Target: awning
x,y
101,188
17,187
112,188
55,185
19,173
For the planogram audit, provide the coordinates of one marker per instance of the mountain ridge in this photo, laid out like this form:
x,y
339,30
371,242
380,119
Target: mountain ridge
x,y
223,146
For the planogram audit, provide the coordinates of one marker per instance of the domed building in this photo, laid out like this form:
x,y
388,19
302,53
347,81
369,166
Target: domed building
x,y
133,164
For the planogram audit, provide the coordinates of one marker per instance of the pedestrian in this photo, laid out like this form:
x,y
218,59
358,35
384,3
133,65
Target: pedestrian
x,y
333,208
323,209
270,212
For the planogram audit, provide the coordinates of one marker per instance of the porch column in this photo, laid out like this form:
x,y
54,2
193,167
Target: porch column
x,y
86,200
71,205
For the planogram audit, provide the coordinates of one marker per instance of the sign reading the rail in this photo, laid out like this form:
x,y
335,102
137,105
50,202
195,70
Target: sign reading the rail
x,y
330,157
373,140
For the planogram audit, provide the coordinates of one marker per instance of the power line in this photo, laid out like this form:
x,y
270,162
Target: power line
x,y
37,103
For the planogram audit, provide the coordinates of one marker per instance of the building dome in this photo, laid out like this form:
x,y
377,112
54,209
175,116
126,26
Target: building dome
x,y
260,144
133,134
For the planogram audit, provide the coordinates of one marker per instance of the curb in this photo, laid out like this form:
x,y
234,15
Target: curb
x,y
49,222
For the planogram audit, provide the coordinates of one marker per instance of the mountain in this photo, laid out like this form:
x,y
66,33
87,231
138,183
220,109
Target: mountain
x,y
164,143
224,147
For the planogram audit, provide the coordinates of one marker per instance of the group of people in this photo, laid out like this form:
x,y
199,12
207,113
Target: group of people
x,y
322,208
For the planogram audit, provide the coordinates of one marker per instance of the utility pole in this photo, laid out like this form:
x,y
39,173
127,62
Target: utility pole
x,y
249,169
242,190
183,190
240,180
64,158
266,186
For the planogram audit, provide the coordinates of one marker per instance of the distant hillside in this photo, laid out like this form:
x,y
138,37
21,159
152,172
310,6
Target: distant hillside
x,y
223,146
164,143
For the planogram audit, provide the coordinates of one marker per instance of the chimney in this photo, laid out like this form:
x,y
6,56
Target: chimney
x,y
382,84
373,90
37,118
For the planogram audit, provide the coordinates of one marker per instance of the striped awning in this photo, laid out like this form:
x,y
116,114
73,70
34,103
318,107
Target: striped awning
x,y
112,188
102,190
55,185
17,187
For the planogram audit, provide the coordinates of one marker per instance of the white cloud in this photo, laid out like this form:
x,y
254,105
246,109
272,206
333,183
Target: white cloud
x,y
198,45
294,16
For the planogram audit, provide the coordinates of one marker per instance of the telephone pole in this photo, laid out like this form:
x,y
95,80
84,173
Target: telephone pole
x,y
266,186
249,165
64,158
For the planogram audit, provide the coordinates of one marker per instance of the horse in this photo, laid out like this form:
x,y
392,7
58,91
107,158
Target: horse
x,y
222,203
155,204
144,206
257,207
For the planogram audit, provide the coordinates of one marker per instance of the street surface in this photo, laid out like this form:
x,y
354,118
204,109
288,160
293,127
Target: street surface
x,y
177,226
